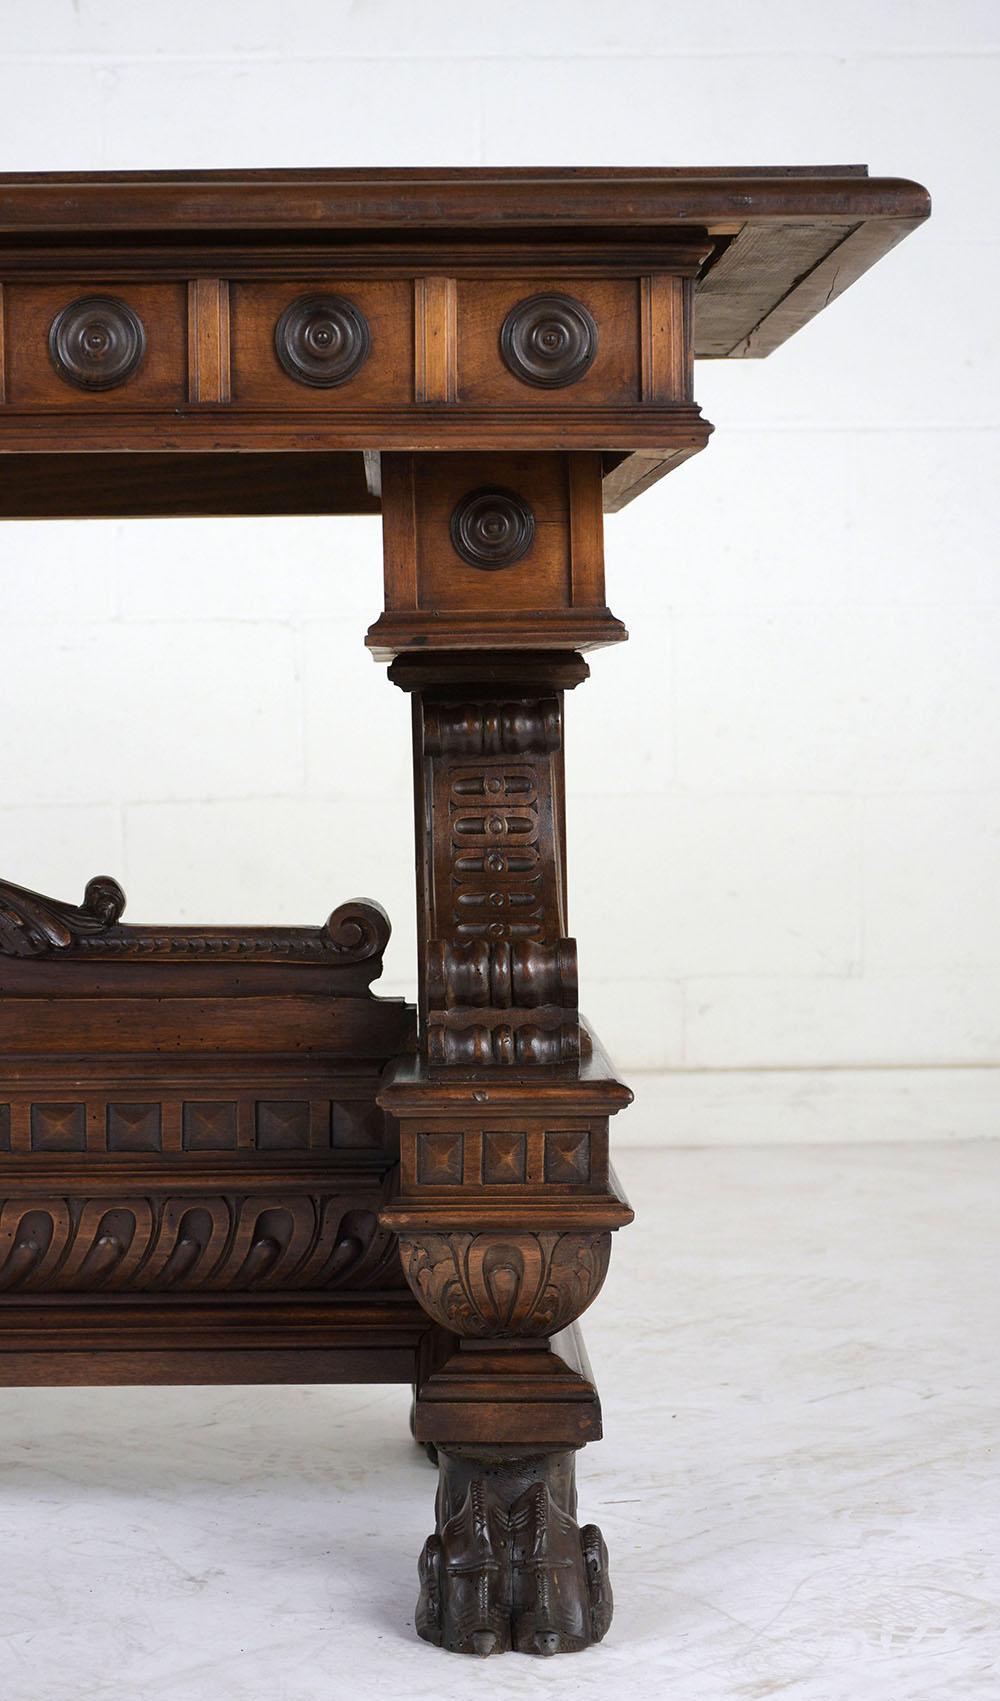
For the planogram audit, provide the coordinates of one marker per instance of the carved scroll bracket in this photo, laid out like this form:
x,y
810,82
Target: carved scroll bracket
x,y
499,984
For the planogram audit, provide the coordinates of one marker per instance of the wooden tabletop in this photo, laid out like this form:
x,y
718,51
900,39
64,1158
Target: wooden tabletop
x,y
151,333
786,240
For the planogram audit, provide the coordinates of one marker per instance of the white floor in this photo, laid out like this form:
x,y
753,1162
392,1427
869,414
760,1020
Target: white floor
x,y
799,1486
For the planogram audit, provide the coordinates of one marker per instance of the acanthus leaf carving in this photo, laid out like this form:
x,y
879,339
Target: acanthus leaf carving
x,y
32,925
505,1284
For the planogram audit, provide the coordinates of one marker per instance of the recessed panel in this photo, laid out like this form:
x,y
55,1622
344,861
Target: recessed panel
x,y
539,578
35,313
494,368
376,320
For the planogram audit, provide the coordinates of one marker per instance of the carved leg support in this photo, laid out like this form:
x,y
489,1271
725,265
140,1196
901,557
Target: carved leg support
x,y
509,1566
505,1203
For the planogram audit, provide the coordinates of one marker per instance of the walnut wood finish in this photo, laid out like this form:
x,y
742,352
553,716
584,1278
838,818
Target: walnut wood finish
x,y
506,311
222,1158
509,1566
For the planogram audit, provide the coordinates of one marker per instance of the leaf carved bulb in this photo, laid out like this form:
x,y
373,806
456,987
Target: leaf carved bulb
x,y
96,342
322,340
549,341
492,528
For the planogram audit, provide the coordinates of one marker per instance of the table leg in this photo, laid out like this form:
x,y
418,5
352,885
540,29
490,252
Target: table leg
x,y
505,1203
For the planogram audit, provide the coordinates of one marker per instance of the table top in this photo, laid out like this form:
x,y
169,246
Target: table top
x,y
156,350
785,240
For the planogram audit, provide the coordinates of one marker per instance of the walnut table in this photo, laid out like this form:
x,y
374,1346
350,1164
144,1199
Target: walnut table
x,y
222,1159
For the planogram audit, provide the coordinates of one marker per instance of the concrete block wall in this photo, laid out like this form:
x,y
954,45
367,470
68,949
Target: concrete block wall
x,y
785,791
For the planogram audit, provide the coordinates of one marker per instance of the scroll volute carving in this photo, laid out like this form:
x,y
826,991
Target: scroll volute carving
x,y
219,1243
505,1284
500,982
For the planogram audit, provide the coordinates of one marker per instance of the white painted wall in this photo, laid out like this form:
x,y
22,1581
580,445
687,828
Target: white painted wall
x,y
785,792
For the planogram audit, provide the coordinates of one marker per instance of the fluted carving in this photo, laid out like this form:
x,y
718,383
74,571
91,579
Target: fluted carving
x,y
505,1284
500,976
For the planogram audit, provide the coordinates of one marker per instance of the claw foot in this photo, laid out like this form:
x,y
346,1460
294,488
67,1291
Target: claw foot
x,y
509,1566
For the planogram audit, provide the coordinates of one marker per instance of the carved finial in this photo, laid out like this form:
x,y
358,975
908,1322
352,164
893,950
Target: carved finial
x,y
104,899
32,925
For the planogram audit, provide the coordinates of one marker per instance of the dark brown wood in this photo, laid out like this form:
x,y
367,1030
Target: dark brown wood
x,y
435,266
90,1340
508,1566
221,1156
68,485
473,560
505,1202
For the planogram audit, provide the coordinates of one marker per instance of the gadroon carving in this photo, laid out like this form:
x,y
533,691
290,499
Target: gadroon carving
x,y
210,1242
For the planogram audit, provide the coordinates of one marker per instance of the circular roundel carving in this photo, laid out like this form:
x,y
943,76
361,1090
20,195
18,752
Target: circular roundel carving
x,y
549,340
96,342
322,340
492,528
